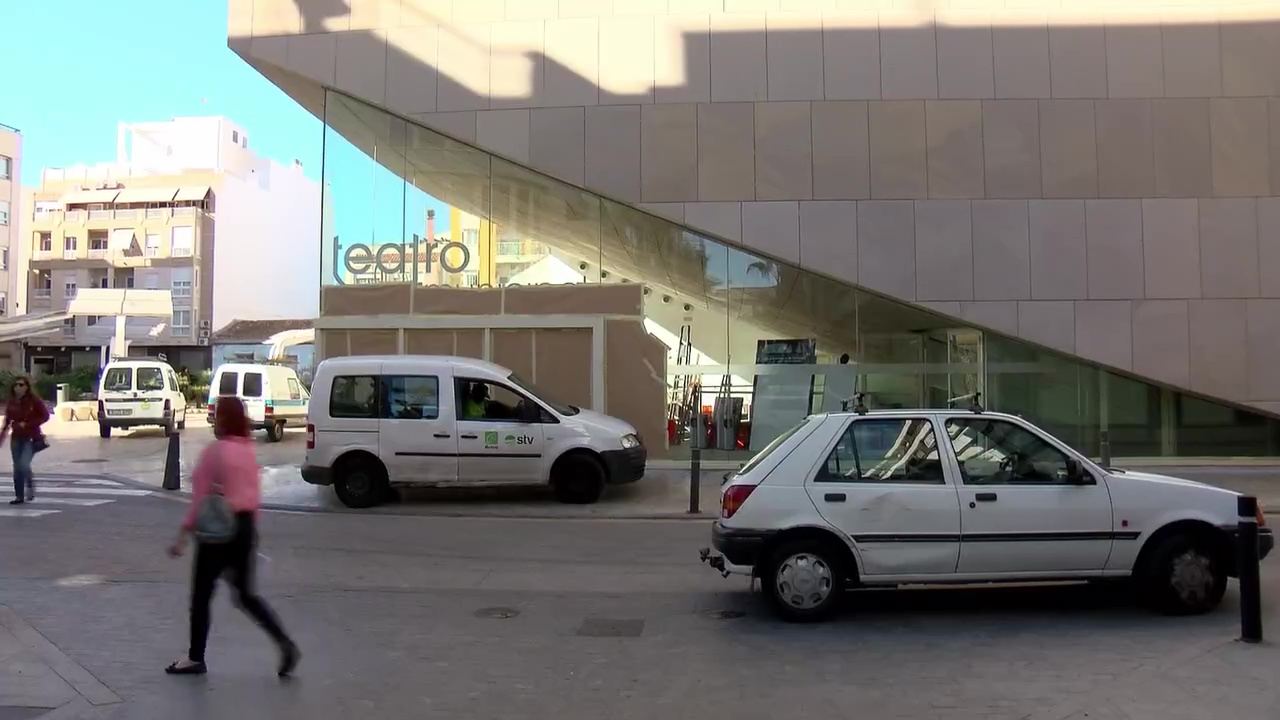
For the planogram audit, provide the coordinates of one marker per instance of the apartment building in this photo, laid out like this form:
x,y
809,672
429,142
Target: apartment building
x,y
10,214
187,208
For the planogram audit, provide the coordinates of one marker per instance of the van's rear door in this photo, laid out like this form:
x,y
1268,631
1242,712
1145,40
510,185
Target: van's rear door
x,y
151,393
118,396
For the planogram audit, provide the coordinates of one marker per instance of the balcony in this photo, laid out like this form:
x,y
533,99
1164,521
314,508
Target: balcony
x,y
69,254
185,212
129,215
183,252
42,254
97,253
100,215
49,217
157,213
73,216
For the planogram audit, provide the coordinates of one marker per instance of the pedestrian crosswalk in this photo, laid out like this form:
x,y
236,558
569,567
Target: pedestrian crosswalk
x,y
53,495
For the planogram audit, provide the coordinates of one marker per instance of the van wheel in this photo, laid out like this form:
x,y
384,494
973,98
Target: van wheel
x,y
577,479
104,431
168,427
804,580
275,431
360,483
182,424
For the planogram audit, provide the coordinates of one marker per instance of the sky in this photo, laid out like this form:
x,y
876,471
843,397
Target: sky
x,y
74,69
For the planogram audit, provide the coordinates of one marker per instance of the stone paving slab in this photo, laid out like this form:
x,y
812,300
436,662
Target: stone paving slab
x,y
36,677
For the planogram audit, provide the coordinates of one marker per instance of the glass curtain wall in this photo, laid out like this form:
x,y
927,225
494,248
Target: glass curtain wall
x,y
754,344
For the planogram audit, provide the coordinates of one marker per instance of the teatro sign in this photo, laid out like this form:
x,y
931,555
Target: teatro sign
x,y
399,259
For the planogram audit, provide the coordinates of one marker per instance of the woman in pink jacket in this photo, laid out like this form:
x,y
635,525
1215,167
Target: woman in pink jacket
x,y
228,466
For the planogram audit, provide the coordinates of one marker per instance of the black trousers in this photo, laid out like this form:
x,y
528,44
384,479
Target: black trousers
x,y
234,558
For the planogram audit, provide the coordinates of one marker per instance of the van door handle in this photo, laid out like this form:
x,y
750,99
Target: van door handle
x,y
985,497
834,497
469,437
442,435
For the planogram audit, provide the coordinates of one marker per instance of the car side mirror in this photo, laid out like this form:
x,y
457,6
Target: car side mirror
x,y
1075,472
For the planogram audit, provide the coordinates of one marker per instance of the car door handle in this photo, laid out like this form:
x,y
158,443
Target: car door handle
x,y
469,437
443,435
834,497
985,497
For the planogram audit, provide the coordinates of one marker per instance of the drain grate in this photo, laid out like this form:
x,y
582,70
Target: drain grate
x,y
726,614
610,627
496,613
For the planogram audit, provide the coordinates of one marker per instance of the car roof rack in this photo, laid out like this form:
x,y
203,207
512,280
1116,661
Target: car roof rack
x,y
860,403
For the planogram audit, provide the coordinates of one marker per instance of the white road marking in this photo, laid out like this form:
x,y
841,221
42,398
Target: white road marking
x,y
25,512
102,482
78,502
90,491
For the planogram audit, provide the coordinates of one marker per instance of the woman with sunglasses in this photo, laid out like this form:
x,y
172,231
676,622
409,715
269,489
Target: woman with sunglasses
x,y
23,416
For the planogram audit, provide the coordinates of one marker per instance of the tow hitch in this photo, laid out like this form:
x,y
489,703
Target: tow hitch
x,y
715,561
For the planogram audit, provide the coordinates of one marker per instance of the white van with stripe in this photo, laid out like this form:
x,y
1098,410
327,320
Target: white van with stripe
x,y
273,395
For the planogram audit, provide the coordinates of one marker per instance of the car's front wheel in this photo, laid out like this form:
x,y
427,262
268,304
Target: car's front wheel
x,y
1185,576
804,580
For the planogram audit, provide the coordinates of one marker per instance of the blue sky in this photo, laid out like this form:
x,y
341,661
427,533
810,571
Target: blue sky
x,y
102,62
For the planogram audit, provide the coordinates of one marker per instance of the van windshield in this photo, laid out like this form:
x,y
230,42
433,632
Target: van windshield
x,y
529,389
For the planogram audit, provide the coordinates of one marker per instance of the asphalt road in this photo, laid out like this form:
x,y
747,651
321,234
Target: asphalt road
x,y
412,617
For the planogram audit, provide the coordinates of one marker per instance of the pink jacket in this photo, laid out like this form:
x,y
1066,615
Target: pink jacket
x,y
231,463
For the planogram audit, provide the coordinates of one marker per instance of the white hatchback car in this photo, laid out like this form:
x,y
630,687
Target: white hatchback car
x,y
942,496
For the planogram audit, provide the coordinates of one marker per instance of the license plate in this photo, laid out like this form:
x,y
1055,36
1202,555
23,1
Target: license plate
x,y
118,413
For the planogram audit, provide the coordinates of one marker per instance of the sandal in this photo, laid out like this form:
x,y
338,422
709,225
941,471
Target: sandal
x,y
177,668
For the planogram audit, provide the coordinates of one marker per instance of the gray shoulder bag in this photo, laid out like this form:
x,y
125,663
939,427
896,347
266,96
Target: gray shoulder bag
x,y
215,521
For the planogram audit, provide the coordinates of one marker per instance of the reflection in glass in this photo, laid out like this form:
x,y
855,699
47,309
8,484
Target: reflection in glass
x,y
753,344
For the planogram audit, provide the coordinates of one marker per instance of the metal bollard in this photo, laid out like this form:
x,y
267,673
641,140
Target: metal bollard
x,y
1105,448
173,464
695,479
1250,581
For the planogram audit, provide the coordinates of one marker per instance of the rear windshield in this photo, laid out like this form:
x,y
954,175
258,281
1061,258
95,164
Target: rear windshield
x,y
227,383
253,385
150,378
768,449
118,379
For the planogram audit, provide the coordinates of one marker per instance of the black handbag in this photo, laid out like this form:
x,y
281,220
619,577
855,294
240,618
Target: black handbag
x,y
39,444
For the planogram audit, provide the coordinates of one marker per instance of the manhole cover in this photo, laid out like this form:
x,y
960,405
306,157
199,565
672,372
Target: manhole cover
x,y
610,627
726,614
497,613
89,461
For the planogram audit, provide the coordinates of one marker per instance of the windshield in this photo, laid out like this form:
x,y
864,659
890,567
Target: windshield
x,y
768,449
529,389
118,379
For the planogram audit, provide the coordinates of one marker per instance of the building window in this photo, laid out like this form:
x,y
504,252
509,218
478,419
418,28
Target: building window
x,y
6,167
181,288
69,247
69,289
69,326
184,241
93,320
4,212
43,285
181,323
46,241
4,258
153,244
97,242
150,281
4,306
235,137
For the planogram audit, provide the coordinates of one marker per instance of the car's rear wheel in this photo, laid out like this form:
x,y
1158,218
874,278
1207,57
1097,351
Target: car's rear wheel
x,y
1184,576
804,580
104,431
360,482
168,427
577,479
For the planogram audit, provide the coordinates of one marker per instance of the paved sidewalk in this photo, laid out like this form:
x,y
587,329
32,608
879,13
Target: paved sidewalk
x,y
38,681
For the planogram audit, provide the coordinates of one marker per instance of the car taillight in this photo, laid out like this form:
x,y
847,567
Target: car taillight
x,y
1262,518
166,406
211,406
311,436
268,410
733,497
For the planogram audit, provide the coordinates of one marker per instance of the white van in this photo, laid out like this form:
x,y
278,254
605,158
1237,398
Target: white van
x,y
273,395
412,420
138,393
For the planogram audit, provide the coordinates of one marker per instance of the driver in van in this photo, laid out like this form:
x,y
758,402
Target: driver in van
x,y
473,408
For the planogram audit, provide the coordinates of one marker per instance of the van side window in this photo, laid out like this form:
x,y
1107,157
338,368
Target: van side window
x,y
484,401
227,383
253,385
150,378
295,392
354,396
411,397
173,381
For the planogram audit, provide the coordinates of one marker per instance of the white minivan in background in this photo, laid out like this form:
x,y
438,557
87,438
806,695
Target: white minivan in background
x,y
273,395
441,421
139,393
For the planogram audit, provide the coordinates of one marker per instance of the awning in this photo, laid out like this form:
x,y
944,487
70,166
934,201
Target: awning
x,y
22,327
85,197
146,195
191,193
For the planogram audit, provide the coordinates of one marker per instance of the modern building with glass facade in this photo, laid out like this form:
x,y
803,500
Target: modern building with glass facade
x,y
1072,208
